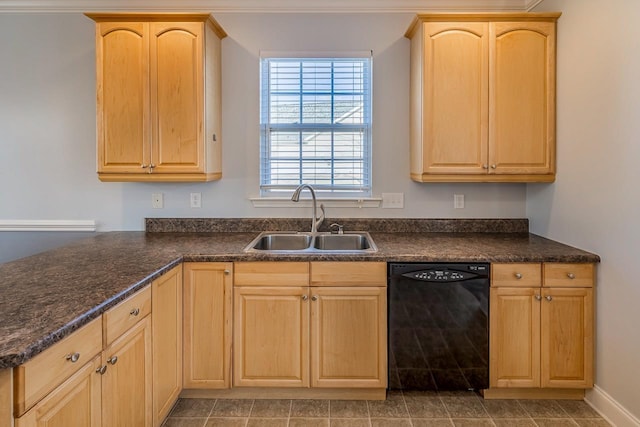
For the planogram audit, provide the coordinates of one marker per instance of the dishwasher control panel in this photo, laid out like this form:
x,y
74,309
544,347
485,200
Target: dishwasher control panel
x,y
443,273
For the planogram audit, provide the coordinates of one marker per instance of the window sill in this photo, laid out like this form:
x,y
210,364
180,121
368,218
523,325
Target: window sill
x,y
285,202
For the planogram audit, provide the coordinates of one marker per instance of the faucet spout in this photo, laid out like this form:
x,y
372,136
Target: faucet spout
x,y
315,222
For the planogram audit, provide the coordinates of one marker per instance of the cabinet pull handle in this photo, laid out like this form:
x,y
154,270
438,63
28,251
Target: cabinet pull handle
x,y
102,369
135,312
548,297
214,138
112,360
571,275
518,276
227,272
314,298
538,297
305,297
73,358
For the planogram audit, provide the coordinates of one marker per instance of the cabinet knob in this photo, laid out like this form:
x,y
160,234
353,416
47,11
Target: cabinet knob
x,y
135,312
112,360
548,298
571,275
305,297
151,166
73,358
314,298
102,369
227,272
485,166
143,166
538,297
518,276
493,166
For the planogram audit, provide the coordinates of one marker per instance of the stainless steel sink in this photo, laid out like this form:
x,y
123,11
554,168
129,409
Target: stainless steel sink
x,y
342,242
300,243
282,242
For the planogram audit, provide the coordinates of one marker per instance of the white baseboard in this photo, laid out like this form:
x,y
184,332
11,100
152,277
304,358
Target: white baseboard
x,y
47,225
610,409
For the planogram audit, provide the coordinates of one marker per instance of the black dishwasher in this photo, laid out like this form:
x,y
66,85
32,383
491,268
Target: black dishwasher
x,y
438,326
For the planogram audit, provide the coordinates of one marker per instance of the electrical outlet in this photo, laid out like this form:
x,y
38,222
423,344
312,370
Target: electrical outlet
x,y
157,200
196,200
392,200
458,201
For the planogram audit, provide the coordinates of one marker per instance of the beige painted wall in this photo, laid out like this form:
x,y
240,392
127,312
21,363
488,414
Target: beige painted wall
x,y
595,203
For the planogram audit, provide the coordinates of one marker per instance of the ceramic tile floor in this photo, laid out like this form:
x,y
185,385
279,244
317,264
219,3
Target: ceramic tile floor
x,y
417,409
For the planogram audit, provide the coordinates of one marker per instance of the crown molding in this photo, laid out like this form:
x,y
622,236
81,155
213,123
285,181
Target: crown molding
x,y
266,6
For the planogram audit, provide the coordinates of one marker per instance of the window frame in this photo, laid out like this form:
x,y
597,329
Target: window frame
x,y
267,126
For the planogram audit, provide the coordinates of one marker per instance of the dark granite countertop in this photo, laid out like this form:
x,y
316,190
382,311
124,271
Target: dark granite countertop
x,y
45,297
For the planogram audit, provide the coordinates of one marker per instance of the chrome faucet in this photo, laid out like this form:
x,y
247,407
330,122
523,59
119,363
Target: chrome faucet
x,y
315,222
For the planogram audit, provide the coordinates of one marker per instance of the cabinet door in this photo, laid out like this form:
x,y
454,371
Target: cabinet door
x,y
271,337
455,97
514,337
207,324
522,98
122,78
349,337
126,384
567,338
166,328
177,96
75,403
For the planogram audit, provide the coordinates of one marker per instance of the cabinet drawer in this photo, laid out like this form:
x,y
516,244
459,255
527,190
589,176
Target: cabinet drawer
x,y
38,376
269,273
568,275
516,274
123,316
348,274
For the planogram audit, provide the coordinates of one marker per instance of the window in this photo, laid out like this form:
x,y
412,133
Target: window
x,y
316,125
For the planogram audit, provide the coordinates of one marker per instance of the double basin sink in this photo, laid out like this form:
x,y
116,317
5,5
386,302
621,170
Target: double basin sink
x,y
298,242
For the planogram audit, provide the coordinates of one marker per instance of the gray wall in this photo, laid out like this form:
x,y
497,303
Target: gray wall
x,y
47,124
595,203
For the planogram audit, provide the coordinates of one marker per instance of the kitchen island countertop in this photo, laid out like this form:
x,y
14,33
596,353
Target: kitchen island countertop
x,y
47,296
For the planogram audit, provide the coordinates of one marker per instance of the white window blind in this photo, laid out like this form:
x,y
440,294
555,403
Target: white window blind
x,y
316,125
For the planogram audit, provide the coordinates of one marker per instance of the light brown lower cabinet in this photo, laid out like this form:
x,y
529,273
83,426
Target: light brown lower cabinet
x,y
290,334
101,375
76,402
166,328
126,382
208,288
542,336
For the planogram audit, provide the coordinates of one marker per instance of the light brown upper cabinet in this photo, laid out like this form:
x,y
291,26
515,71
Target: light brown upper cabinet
x,y
483,97
158,97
